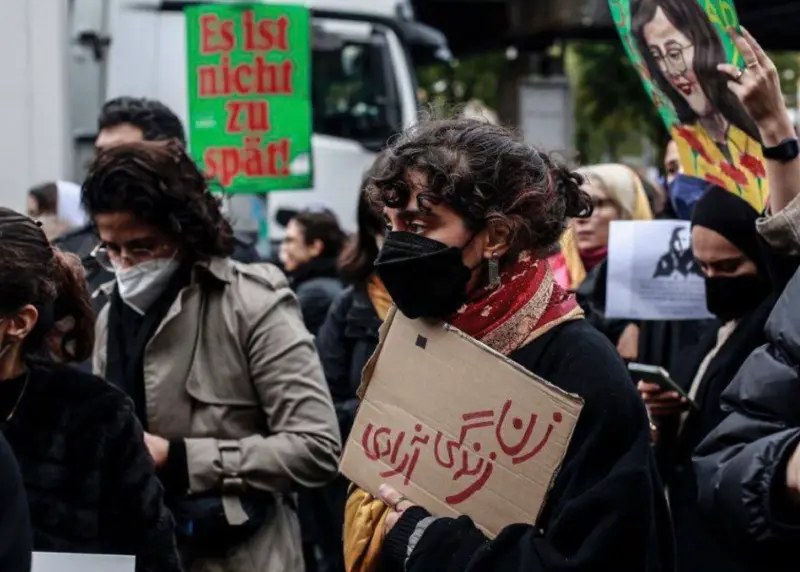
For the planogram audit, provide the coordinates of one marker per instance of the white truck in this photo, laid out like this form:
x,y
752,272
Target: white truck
x,y
363,84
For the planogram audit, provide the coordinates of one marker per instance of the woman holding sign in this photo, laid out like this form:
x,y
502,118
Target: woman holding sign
x,y
471,210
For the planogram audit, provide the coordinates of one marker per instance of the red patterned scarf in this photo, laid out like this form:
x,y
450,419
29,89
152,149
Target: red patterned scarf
x,y
527,304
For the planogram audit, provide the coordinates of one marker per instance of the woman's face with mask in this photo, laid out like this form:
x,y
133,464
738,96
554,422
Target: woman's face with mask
x,y
437,222
129,241
719,257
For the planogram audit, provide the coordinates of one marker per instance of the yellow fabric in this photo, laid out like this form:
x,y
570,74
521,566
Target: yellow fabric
x,y
624,187
379,296
695,162
364,519
572,257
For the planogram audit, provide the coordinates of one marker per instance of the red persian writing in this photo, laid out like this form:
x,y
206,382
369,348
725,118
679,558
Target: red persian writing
x,y
464,457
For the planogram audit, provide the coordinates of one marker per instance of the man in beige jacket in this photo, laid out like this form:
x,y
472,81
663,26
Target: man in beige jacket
x,y
224,375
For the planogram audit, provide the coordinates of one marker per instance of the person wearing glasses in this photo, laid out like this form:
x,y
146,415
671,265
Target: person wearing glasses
x,y
128,120
88,477
681,49
214,353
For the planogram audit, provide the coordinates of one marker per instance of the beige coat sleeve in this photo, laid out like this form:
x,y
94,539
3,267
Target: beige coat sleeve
x,y
303,445
782,230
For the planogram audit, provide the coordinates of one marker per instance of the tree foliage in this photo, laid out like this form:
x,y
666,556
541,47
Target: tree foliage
x,y
611,104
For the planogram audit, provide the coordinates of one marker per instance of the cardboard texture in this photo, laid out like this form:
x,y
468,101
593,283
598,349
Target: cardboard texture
x,y
456,427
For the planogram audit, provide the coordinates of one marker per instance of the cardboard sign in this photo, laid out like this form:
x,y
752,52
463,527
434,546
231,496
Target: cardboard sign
x,y
250,95
60,562
456,427
717,140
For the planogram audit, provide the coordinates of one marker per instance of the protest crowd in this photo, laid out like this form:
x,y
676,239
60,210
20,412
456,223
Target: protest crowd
x,y
170,394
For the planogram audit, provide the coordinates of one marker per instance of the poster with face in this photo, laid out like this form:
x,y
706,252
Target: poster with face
x,y
675,46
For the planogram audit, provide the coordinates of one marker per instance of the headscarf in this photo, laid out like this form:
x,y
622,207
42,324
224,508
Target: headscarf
x,y
624,187
69,207
733,218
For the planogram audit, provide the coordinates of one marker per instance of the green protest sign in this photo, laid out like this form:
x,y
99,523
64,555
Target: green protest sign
x,y
676,46
249,95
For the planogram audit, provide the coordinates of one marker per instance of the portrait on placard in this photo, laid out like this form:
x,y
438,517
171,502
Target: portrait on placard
x,y
676,46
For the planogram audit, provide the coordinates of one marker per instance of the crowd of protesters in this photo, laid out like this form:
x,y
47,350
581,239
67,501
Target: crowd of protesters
x,y
207,436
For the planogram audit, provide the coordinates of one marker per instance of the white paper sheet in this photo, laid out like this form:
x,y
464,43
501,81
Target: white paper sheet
x,y
59,562
652,274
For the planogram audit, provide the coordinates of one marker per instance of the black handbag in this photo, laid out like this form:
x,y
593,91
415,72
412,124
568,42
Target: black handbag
x,y
203,530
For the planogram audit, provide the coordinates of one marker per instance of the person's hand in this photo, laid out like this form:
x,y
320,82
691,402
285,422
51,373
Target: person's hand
x,y
758,87
628,343
158,447
793,475
398,502
661,403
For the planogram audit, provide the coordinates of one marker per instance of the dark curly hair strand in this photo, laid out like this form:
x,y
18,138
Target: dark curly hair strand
x,y
487,175
157,182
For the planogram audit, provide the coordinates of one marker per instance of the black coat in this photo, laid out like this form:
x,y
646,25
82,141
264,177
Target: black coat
x,y
316,284
741,465
345,343
16,543
89,478
606,510
701,544
661,343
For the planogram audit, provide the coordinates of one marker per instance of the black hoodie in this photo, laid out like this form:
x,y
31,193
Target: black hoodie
x,y
15,525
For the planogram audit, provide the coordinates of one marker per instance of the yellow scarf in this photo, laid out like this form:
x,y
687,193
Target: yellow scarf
x,y
364,519
379,296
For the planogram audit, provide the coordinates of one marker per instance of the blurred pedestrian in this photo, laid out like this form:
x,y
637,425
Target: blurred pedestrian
x,y
88,476
470,210
308,255
128,120
57,205
617,194
346,340
223,373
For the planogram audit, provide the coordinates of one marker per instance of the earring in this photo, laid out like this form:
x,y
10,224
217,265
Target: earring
x,y
494,272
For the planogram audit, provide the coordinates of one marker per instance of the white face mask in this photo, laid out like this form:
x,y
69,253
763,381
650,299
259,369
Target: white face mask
x,y
141,285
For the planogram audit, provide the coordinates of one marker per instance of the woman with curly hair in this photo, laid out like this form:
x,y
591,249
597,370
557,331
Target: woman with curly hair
x,y
214,353
89,480
471,212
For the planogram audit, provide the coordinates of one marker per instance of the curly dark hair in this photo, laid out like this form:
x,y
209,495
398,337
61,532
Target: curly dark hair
x,y
487,175
156,120
357,261
322,226
32,272
157,182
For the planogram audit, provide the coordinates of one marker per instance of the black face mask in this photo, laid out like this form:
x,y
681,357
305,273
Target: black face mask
x,y
424,277
731,297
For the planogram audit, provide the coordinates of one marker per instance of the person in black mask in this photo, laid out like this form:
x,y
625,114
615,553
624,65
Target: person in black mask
x,y
471,213
739,293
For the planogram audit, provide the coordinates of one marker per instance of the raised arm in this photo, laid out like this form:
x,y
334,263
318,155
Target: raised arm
x,y
758,88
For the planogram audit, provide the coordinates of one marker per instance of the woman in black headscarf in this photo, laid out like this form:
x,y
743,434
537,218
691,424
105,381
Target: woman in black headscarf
x,y
741,293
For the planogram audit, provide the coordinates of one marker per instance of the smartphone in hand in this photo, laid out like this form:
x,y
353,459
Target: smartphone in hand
x,y
660,377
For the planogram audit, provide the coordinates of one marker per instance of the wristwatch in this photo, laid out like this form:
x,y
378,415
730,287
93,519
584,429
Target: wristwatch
x,y
785,151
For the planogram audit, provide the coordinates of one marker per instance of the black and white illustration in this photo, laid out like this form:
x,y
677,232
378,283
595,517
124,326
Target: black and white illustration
x,y
678,262
652,273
